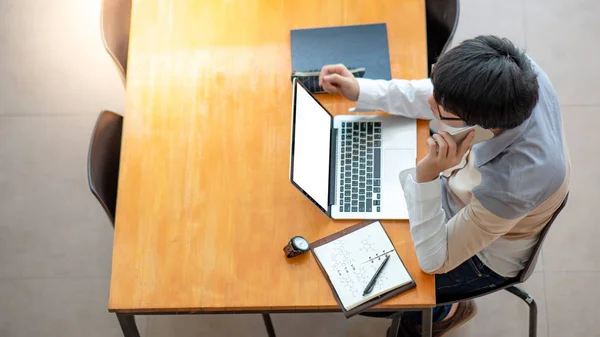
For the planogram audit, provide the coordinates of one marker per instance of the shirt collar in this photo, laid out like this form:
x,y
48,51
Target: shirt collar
x,y
490,149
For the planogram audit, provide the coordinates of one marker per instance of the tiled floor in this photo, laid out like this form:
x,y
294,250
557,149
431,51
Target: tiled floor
x,y
55,241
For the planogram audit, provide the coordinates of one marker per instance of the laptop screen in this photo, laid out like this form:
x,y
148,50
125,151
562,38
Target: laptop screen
x,y
311,138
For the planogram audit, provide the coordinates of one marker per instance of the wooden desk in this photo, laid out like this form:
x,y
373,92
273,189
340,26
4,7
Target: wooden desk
x,y
205,204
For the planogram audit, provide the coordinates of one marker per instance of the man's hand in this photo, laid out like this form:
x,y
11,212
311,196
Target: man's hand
x,y
336,79
443,154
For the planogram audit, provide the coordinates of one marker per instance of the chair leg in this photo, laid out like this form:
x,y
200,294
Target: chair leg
x,y
395,327
532,308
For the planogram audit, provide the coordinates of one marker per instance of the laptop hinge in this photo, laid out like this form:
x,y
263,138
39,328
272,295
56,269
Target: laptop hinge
x,y
332,167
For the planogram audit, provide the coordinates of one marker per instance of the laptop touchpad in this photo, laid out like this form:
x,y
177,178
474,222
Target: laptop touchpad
x,y
394,161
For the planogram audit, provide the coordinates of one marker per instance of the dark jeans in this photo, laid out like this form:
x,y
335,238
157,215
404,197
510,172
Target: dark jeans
x,y
461,282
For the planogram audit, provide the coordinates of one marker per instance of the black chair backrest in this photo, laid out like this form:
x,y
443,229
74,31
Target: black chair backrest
x,y
116,19
103,161
530,266
442,20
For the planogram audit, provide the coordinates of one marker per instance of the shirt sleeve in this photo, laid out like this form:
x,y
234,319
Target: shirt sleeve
x,y
442,245
407,98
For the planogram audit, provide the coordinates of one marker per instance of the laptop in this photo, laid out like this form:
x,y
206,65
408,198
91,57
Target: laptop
x,y
349,165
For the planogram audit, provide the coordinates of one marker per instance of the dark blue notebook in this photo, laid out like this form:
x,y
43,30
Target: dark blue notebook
x,y
361,46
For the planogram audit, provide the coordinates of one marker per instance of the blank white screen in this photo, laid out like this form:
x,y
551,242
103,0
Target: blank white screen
x,y
311,147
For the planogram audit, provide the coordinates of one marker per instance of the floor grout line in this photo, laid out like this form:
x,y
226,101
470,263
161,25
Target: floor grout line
x,y
43,114
147,332
546,304
40,278
573,271
524,9
579,105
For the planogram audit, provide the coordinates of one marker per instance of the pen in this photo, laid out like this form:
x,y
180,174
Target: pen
x,y
372,282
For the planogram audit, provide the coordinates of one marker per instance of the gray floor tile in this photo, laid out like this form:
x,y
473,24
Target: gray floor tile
x,y
286,325
560,37
53,59
54,235
481,17
573,303
206,325
571,244
57,308
502,314
52,225
331,324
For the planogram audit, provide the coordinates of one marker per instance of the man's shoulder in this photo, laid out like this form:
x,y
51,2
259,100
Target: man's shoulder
x,y
547,91
516,182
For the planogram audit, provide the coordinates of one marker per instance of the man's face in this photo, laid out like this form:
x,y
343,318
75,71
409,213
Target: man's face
x,y
445,117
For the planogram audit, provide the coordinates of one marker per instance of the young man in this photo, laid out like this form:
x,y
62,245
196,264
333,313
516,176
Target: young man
x,y
475,211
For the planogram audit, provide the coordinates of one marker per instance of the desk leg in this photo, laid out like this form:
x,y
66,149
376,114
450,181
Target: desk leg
x,y
269,325
427,322
127,322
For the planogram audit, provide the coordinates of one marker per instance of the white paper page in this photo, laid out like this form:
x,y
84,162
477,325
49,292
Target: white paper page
x,y
352,260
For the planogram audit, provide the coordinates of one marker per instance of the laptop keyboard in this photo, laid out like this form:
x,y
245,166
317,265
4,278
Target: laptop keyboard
x,y
360,168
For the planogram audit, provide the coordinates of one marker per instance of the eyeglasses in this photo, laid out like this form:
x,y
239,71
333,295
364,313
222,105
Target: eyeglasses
x,y
450,118
447,118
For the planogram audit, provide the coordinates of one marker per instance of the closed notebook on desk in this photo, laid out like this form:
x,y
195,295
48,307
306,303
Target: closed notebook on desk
x,y
358,46
350,258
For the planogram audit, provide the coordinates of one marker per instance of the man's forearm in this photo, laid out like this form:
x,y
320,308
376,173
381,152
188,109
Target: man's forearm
x,y
425,173
427,220
399,97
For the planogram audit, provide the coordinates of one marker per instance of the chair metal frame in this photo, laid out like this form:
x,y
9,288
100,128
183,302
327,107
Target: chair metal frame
x,y
510,286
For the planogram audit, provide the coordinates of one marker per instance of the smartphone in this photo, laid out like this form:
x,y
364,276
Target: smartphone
x,y
481,134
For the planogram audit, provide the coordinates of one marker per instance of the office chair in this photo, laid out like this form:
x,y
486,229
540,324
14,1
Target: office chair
x,y
115,22
510,286
103,161
441,20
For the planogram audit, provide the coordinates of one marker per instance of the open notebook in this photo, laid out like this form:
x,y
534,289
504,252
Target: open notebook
x,y
351,257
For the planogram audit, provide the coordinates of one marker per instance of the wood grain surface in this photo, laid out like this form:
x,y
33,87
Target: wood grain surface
x,y
205,205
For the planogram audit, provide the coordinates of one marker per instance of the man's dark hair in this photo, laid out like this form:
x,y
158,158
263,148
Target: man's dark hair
x,y
486,81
